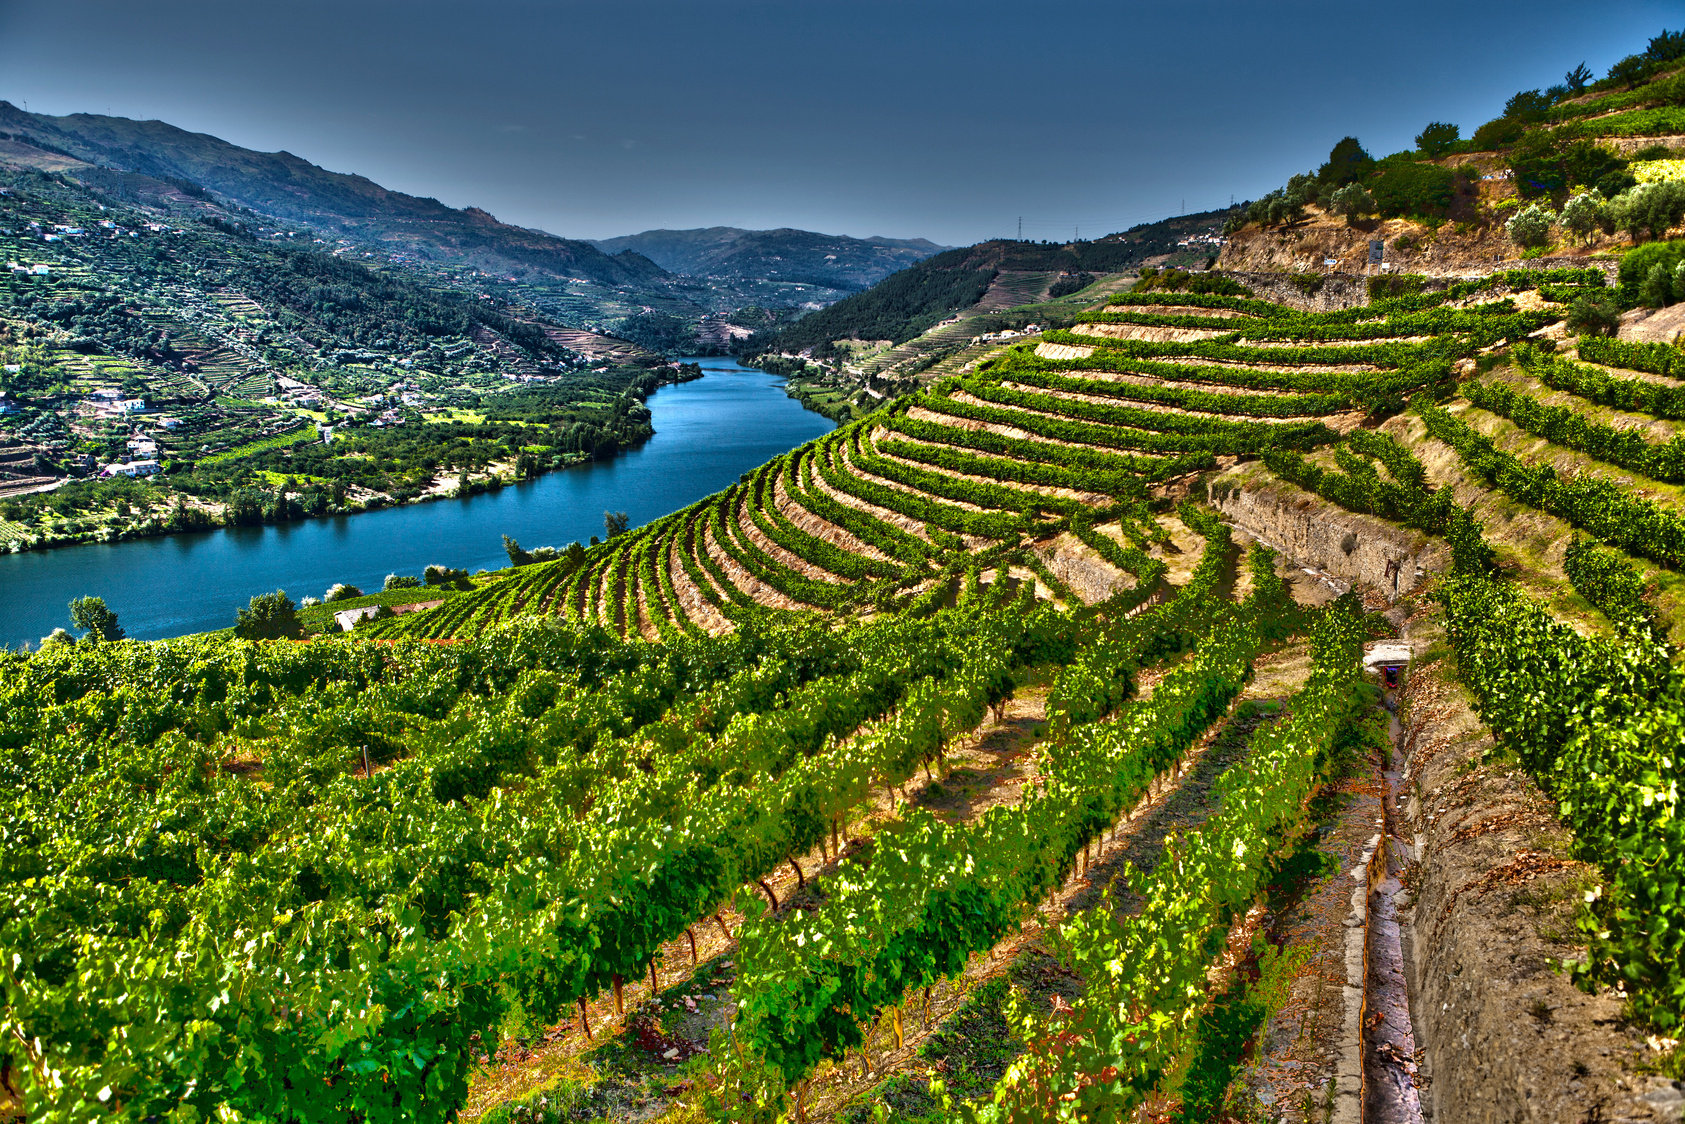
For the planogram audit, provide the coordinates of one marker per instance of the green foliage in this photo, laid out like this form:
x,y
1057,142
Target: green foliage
x,y
1603,578
1571,429
98,622
1594,315
1650,209
1438,138
1154,279
270,616
1530,226
1654,259
1627,394
401,581
341,591
1408,188
1594,504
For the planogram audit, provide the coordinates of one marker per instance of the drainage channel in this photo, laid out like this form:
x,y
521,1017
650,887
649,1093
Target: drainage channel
x,y
1390,1091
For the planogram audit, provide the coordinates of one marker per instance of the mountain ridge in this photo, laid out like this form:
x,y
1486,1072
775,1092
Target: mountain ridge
x,y
287,187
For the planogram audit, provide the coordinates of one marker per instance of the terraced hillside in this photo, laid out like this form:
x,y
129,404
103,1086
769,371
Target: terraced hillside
x,y
1045,464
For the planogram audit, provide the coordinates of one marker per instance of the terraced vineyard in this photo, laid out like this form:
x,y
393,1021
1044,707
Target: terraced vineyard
x,y
1042,466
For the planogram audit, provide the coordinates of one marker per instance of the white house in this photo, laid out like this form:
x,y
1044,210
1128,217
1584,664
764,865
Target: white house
x,y
40,271
133,468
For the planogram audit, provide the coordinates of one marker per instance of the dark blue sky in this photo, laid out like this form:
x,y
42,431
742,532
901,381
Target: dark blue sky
x,y
905,118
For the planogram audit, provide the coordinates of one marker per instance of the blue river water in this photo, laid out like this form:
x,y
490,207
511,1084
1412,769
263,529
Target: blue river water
x,y
707,433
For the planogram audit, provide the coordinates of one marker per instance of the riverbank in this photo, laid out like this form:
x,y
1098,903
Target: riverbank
x,y
707,434
166,511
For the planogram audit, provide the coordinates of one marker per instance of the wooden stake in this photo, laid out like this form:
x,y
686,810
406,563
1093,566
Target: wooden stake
x,y
898,1038
801,882
927,1008
583,1021
691,933
720,921
619,1004
654,980
770,896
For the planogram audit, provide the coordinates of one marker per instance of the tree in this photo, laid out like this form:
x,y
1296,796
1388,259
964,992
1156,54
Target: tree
x,y
615,523
517,556
1651,208
1530,226
342,591
271,616
402,581
1577,79
1628,71
575,556
1438,138
1530,106
1353,201
1583,213
1347,163
90,614
58,638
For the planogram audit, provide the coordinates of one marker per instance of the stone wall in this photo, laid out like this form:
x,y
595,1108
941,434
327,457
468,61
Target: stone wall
x,y
1356,548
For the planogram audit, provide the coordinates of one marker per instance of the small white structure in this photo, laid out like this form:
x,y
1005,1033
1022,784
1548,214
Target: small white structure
x,y
132,468
348,618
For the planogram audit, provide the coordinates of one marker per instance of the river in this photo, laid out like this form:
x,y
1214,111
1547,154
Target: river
x,y
707,433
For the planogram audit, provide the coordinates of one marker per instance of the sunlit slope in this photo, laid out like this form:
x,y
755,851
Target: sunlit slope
x,y
1048,457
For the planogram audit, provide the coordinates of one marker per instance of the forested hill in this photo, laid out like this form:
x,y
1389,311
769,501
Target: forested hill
x,y
289,188
910,302
832,260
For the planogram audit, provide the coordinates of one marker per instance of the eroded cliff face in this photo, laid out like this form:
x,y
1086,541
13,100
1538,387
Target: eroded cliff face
x,y
1358,549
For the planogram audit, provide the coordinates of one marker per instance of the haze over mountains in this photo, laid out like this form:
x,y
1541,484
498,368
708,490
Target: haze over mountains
x,y
832,260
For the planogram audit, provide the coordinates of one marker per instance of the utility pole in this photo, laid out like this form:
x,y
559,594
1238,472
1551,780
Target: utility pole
x,y
1020,228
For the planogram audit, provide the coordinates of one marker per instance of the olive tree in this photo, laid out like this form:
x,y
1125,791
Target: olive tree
x,y
1530,226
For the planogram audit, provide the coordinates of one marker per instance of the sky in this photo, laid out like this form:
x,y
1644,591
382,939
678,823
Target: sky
x,y
906,118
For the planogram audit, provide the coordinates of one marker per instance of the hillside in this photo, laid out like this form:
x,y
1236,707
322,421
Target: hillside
x,y
827,260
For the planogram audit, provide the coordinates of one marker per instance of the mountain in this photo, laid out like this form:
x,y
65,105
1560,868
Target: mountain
x,y
290,189
832,260
997,273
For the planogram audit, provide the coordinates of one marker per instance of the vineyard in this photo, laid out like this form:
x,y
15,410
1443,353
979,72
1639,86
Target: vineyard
x,y
976,712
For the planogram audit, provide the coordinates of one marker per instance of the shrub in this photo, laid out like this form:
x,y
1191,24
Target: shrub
x,y
309,601
1593,315
402,581
1656,290
1412,188
1638,265
1438,138
271,616
341,592
445,575
1531,226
